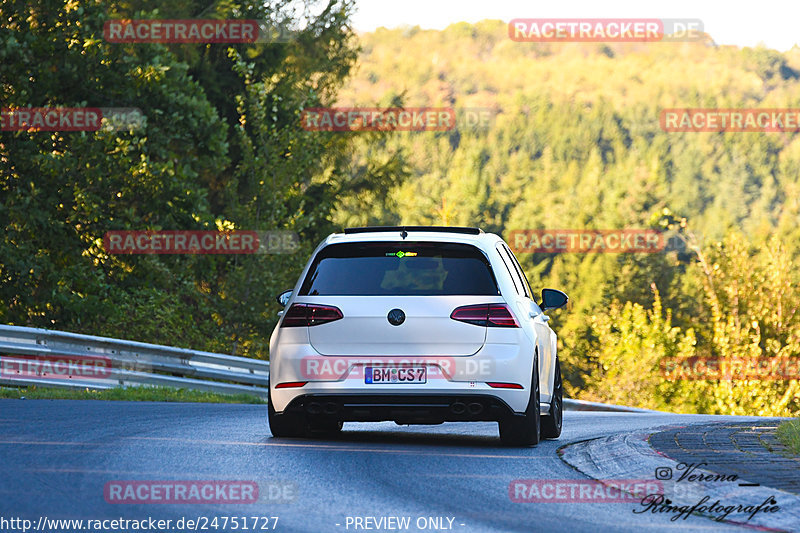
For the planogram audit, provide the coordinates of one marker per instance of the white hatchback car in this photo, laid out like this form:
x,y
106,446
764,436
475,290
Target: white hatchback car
x,y
417,325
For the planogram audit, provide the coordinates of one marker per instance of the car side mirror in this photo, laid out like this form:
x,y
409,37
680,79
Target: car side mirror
x,y
553,299
283,298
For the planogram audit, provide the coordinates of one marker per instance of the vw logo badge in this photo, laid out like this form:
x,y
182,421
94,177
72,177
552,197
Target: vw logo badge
x,y
396,317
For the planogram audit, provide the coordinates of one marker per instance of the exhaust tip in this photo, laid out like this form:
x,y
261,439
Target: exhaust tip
x,y
475,408
314,408
458,408
331,408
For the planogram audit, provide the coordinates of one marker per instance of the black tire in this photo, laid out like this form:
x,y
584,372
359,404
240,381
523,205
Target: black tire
x,y
524,430
551,424
291,425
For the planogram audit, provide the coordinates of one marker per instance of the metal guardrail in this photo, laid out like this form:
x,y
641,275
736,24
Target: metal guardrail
x,y
583,405
129,363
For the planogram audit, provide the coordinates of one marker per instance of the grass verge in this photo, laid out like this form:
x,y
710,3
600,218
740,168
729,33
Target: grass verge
x,y
789,434
128,394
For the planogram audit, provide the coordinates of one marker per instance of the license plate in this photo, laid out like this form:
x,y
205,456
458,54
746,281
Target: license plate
x,y
377,375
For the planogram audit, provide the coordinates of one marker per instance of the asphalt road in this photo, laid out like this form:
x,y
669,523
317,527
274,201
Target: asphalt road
x,y
56,458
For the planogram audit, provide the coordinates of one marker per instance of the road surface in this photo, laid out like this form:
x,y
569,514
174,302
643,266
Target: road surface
x,y
58,457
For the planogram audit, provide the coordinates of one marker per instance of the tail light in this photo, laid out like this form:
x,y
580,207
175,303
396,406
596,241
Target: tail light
x,y
310,315
500,385
290,384
492,315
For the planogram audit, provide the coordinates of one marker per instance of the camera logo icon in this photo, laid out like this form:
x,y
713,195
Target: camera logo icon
x,y
663,473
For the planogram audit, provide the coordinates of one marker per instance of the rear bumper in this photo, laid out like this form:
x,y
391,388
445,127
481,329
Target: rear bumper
x,y
403,409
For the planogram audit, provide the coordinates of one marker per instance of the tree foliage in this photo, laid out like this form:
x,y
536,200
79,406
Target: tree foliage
x,y
222,149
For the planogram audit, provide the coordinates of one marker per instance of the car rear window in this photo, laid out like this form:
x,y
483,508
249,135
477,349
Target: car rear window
x,y
400,269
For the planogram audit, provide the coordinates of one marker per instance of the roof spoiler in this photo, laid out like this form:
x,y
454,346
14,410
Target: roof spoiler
x,y
405,229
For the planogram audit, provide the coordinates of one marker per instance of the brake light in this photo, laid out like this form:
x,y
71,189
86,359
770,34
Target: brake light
x,y
499,385
310,315
492,315
500,316
290,384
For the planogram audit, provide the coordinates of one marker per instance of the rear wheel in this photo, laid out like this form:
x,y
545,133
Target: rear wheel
x,y
551,424
286,424
524,430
